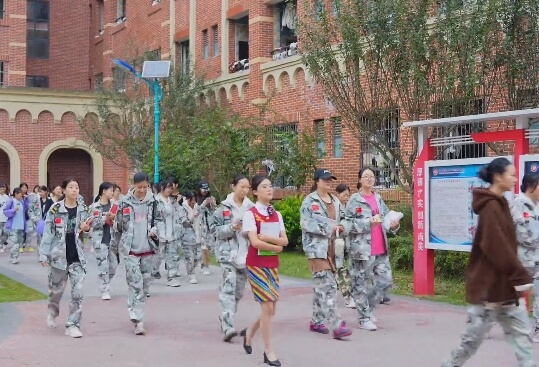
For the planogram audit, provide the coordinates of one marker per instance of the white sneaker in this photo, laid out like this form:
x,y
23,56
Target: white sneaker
x,y
73,332
14,261
367,325
173,282
351,303
205,272
373,318
51,321
2,249
193,280
139,329
105,296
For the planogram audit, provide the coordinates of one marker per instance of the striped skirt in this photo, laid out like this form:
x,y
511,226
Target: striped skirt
x,y
264,283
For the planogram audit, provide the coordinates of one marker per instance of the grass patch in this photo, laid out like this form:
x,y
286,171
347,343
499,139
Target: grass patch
x,y
12,291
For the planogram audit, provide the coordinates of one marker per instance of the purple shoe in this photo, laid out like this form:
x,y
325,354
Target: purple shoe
x,y
318,328
342,332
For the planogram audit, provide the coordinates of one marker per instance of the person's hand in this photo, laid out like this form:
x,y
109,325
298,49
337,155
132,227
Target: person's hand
x,y
394,224
279,249
44,263
263,237
236,226
110,216
338,228
375,221
153,233
85,226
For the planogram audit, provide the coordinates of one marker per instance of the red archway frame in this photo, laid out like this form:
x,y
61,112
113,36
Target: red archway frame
x,y
423,257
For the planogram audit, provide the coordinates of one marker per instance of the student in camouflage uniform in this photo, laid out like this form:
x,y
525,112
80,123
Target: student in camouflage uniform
x,y
170,234
191,240
4,197
107,262
370,270
15,210
495,277
525,213
207,205
61,249
318,239
343,276
231,251
136,234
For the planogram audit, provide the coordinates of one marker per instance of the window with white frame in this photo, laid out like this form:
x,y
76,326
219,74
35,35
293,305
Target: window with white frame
x,y
459,108
215,39
205,44
319,127
183,56
100,17
384,136
337,137
121,11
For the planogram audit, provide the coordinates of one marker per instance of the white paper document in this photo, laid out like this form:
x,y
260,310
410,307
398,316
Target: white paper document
x,y
390,217
272,229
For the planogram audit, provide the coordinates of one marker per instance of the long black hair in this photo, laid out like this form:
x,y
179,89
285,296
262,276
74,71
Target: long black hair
x,y
497,167
103,187
187,196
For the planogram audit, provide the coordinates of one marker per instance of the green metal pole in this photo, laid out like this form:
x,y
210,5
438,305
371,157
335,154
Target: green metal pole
x,y
157,118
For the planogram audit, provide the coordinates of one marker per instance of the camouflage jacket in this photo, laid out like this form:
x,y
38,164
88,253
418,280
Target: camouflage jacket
x,y
34,209
229,241
316,236
53,244
123,229
523,211
178,215
98,224
206,213
191,222
358,214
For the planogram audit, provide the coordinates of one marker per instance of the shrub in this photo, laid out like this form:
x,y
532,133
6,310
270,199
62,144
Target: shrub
x,y
447,264
289,208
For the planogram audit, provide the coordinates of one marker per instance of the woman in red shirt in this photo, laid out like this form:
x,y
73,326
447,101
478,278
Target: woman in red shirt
x,y
265,229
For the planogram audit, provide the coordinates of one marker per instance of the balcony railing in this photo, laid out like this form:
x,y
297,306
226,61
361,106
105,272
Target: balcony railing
x,y
285,51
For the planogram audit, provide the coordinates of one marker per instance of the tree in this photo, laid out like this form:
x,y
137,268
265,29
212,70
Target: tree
x,y
122,130
377,59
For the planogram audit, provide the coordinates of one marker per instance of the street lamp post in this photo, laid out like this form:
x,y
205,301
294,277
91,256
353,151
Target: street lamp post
x,y
151,72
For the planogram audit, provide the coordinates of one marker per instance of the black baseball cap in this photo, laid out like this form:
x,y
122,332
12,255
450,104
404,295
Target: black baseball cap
x,y
204,186
323,174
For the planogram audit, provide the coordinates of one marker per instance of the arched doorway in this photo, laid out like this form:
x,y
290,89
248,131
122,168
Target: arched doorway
x,y
5,167
71,163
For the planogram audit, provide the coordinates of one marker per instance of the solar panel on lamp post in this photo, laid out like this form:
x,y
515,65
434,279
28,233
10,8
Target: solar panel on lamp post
x,y
152,71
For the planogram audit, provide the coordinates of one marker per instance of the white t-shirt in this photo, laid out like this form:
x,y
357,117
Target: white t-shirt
x,y
249,223
3,199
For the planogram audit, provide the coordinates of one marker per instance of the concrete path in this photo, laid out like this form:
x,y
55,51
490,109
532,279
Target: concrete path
x,y
183,330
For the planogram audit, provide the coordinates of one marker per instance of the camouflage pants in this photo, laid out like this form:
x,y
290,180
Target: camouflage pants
x,y
3,233
158,259
535,292
138,271
172,259
370,281
57,283
515,324
107,262
14,241
343,281
325,299
192,257
230,294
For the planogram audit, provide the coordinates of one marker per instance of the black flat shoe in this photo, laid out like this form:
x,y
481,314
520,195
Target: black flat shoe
x,y
271,363
248,349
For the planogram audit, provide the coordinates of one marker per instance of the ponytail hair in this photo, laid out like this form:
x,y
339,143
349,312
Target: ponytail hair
x,y
103,187
497,167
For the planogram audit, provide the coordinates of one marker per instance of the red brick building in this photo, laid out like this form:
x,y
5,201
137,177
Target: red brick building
x,y
53,53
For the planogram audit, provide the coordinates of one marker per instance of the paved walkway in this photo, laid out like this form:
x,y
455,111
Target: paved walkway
x,y
183,330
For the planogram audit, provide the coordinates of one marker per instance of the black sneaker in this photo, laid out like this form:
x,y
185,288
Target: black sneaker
x,y
156,275
385,301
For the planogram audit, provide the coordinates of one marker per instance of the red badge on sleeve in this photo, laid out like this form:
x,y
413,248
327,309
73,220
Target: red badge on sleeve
x,y
526,215
126,211
226,213
316,207
57,220
358,210
96,213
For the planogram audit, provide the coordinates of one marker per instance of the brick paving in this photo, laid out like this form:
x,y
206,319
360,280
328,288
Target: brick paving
x,y
183,330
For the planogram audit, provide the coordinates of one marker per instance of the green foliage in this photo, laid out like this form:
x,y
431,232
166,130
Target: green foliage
x,y
289,208
447,264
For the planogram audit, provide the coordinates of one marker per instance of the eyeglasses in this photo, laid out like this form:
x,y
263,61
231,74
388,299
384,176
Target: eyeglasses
x,y
368,177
